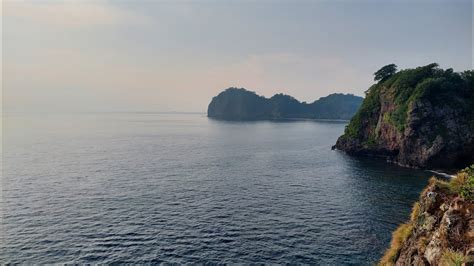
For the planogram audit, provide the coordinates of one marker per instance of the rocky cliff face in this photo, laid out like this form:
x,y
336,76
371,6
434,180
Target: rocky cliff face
x,y
421,118
241,104
441,228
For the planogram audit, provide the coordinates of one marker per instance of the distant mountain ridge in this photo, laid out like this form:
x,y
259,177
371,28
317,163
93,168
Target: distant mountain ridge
x,y
241,104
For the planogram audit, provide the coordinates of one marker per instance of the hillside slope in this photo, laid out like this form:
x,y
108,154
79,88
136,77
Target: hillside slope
x,y
241,104
422,117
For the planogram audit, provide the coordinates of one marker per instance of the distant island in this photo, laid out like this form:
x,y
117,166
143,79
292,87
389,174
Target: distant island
x,y
421,118
241,104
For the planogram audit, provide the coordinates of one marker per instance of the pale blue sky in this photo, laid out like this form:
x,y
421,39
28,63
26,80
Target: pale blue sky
x,y
175,55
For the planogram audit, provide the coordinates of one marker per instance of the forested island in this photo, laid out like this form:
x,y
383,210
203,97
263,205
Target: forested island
x,y
421,117
241,104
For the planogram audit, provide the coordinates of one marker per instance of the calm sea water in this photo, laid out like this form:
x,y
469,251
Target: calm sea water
x,y
150,188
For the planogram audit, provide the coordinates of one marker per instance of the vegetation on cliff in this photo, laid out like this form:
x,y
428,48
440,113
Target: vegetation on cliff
x,y
422,117
241,104
441,226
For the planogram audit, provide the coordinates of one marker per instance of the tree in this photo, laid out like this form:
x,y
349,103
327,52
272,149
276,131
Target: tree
x,y
385,72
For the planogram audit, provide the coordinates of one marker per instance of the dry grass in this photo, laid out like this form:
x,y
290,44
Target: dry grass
x,y
456,184
462,184
415,212
398,239
452,258
400,235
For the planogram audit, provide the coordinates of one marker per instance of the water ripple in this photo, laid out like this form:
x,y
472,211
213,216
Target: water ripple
x,y
106,189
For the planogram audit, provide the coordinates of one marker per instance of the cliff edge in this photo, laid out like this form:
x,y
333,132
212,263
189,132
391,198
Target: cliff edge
x,y
441,226
421,118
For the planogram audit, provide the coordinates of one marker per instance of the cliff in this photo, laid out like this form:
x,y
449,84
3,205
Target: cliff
x,y
241,104
441,226
422,118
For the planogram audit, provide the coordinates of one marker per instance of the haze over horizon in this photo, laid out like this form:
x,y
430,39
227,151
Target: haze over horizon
x,y
177,55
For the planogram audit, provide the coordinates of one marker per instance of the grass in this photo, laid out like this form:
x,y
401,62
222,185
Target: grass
x,y
452,258
415,212
398,239
462,184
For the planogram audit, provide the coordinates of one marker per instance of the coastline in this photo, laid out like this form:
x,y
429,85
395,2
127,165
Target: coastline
x,y
281,119
442,174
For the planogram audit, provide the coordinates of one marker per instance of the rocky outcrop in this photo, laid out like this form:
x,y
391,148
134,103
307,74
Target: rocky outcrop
x,y
441,228
421,118
241,104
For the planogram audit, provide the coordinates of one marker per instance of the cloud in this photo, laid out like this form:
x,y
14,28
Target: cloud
x,y
120,81
71,14
307,77
163,55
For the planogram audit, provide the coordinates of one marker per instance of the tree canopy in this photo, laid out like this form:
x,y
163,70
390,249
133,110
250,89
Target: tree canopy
x,y
240,104
385,72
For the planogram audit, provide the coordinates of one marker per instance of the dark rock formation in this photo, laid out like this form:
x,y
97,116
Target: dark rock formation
x,y
240,104
422,118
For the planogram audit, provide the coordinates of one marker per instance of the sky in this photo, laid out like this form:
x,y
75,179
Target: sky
x,y
167,56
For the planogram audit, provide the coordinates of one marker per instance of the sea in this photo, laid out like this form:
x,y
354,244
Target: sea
x,y
150,188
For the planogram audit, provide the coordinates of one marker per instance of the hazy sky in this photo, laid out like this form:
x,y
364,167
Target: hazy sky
x,y
175,55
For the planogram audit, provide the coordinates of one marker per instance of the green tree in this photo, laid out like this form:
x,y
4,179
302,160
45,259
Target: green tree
x,y
385,72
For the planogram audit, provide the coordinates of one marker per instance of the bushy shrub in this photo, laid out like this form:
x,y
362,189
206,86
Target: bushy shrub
x,y
464,183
